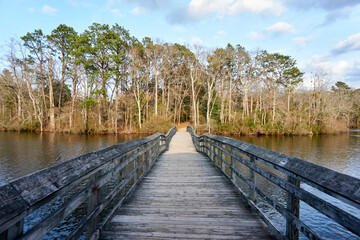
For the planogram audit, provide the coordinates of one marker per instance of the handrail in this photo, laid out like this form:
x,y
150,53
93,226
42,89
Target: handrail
x,y
229,154
99,180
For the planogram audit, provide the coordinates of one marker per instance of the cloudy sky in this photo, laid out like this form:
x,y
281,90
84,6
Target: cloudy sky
x,y
319,34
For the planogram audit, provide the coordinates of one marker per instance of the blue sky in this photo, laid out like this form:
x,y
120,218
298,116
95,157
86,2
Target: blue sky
x,y
319,34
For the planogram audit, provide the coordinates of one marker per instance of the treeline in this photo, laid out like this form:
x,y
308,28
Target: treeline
x,y
105,80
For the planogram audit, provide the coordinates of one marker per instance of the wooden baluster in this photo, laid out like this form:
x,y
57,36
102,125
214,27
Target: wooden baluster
x,y
123,175
223,157
213,151
13,232
252,194
144,159
149,155
94,200
216,153
293,206
136,164
209,148
232,162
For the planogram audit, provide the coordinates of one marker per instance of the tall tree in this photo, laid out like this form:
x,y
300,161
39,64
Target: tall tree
x,y
36,43
62,39
96,47
278,70
119,49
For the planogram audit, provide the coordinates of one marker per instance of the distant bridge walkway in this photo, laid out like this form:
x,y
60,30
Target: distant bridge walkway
x,y
184,197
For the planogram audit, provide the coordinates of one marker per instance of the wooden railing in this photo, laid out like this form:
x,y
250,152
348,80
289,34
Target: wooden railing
x,y
240,162
80,194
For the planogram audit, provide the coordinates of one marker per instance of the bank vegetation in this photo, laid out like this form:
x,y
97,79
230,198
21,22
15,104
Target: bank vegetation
x,y
103,80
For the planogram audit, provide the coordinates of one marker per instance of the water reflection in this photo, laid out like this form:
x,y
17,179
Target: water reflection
x,y
24,153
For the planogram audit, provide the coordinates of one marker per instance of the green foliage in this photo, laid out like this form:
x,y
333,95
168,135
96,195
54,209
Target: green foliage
x,y
89,103
340,87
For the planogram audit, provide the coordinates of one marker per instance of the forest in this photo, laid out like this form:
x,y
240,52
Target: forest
x,y
104,80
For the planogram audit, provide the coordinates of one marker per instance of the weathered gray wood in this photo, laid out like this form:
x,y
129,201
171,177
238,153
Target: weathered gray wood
x,y
339,185
183,196
347,220
14,232
252,196
11,205
293,206
24,195
297,170
93,201
272,202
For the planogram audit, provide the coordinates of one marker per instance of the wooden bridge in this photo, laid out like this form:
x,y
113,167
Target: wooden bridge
x,y
158,188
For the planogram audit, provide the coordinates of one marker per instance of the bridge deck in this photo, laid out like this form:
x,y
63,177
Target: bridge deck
x,y
184,197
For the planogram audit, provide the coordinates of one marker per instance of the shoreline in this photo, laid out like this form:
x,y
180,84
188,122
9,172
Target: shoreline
x,y
182,125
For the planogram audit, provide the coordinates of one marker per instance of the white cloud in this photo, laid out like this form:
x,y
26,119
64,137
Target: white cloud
x,y
220,34
256,6
198,9
196,41
350,44
31,9
336,69
281,27
302,41
82,3
46,9
136,11
256,36
117,12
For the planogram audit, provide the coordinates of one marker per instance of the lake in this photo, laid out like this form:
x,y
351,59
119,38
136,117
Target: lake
x,y
24,153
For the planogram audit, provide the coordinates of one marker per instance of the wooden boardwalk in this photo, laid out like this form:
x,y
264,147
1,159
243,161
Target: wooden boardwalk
x,y
184,197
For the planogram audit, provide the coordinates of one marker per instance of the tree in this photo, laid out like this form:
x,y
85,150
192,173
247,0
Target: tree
x,y
35,42
340,87
119,48
278,70
96,42
62,39
154,53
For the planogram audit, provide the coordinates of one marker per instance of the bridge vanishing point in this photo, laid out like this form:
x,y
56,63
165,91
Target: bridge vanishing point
x,y
173,186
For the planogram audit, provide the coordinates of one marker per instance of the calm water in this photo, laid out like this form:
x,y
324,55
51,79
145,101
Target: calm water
x,y
24,153
337,152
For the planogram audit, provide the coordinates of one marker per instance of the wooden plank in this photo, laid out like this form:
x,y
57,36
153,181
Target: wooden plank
x,y
184,196
11,205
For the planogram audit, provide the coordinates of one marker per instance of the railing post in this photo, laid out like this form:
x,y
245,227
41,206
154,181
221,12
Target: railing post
x,y
212,147
94,200
223,159
14,231
252,194
123,175
167,143
136,164
217,153
232,162
149,157
293,206
144,159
